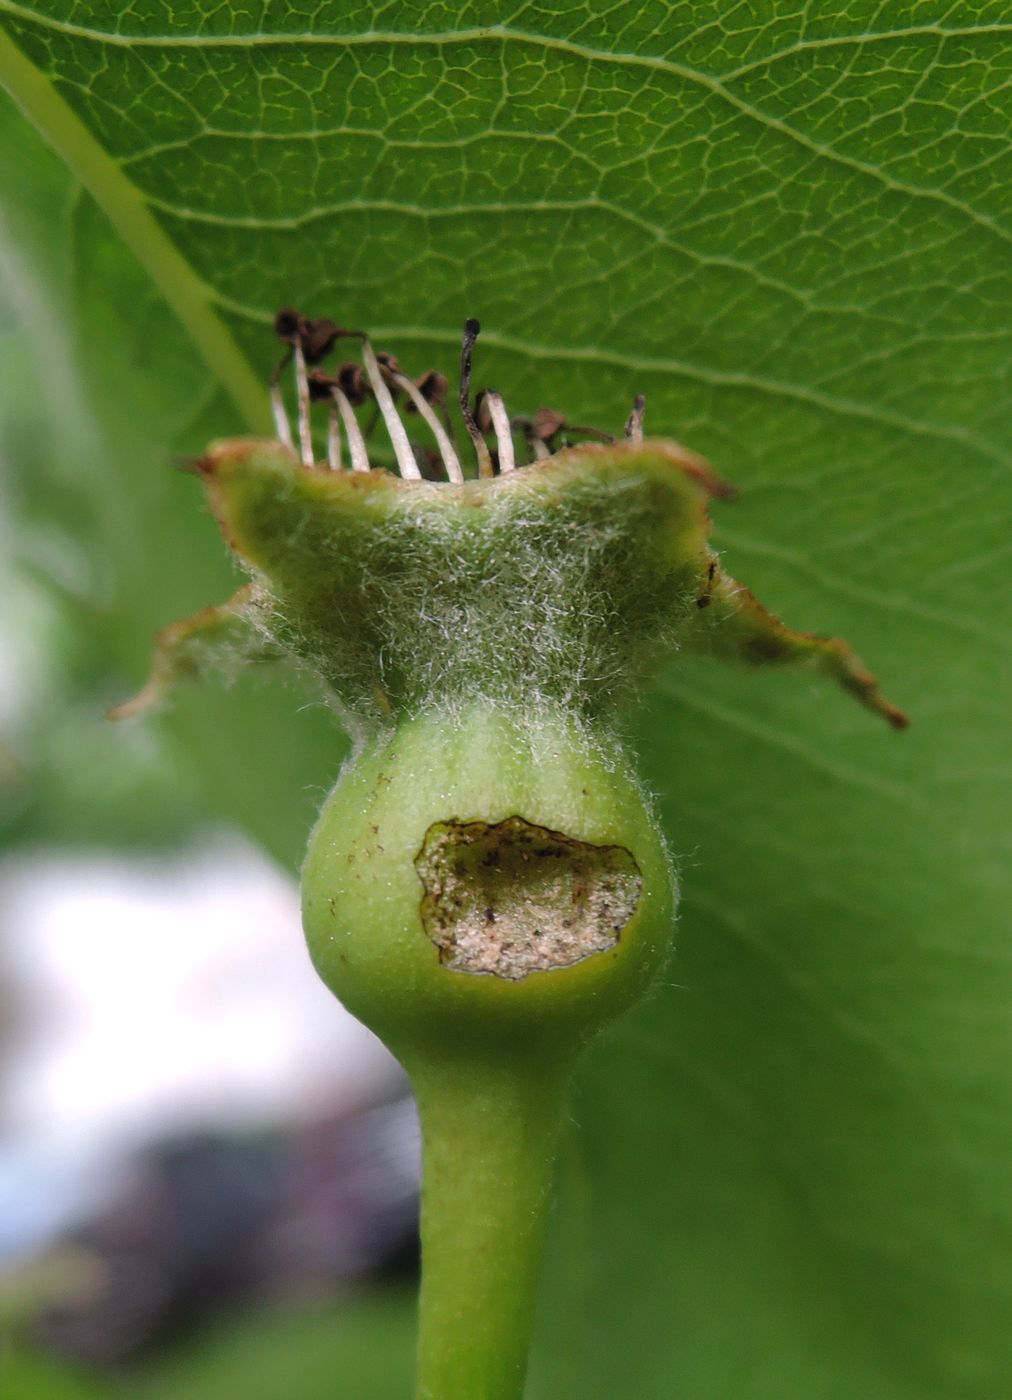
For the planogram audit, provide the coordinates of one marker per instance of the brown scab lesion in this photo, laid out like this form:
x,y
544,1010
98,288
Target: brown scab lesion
x,y
510,898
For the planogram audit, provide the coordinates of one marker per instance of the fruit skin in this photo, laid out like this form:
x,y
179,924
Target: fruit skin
x,y
362,892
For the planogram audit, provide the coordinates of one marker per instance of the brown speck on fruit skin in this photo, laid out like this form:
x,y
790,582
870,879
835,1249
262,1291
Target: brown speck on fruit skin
x,y
706,597
509,898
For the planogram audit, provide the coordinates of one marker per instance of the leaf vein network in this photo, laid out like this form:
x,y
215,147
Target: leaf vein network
x,y
503,34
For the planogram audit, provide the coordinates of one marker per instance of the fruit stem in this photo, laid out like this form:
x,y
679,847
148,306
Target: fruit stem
x,y
489,1136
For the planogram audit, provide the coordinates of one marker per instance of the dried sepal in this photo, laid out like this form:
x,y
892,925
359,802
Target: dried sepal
x,y
733,625
219,638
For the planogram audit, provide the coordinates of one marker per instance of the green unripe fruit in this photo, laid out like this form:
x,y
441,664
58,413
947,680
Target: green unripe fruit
x,y
485,881
486,887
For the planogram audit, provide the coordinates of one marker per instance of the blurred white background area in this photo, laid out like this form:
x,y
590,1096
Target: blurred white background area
x,y
151,996
201,1153
192,1129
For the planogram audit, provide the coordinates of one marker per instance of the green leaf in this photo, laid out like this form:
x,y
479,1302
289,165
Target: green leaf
x,y
361,1346
790,229
34,1378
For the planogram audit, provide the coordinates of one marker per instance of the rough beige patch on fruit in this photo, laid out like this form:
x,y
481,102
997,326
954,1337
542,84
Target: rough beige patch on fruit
x,y
513,898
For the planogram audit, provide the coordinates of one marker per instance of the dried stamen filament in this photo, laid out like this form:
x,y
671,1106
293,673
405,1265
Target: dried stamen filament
x,y
398,436
280,415
356,442
503,431
634,423
334,439
302,390
472,329
446,448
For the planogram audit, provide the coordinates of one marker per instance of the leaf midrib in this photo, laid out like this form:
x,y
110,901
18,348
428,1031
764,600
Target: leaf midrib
x,y
126,208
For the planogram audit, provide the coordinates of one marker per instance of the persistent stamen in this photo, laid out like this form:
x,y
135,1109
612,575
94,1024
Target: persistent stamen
x,y
281,424
472,329
398,436
334,440
503,434
356,442
450,458
310,341
634,423
302,388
